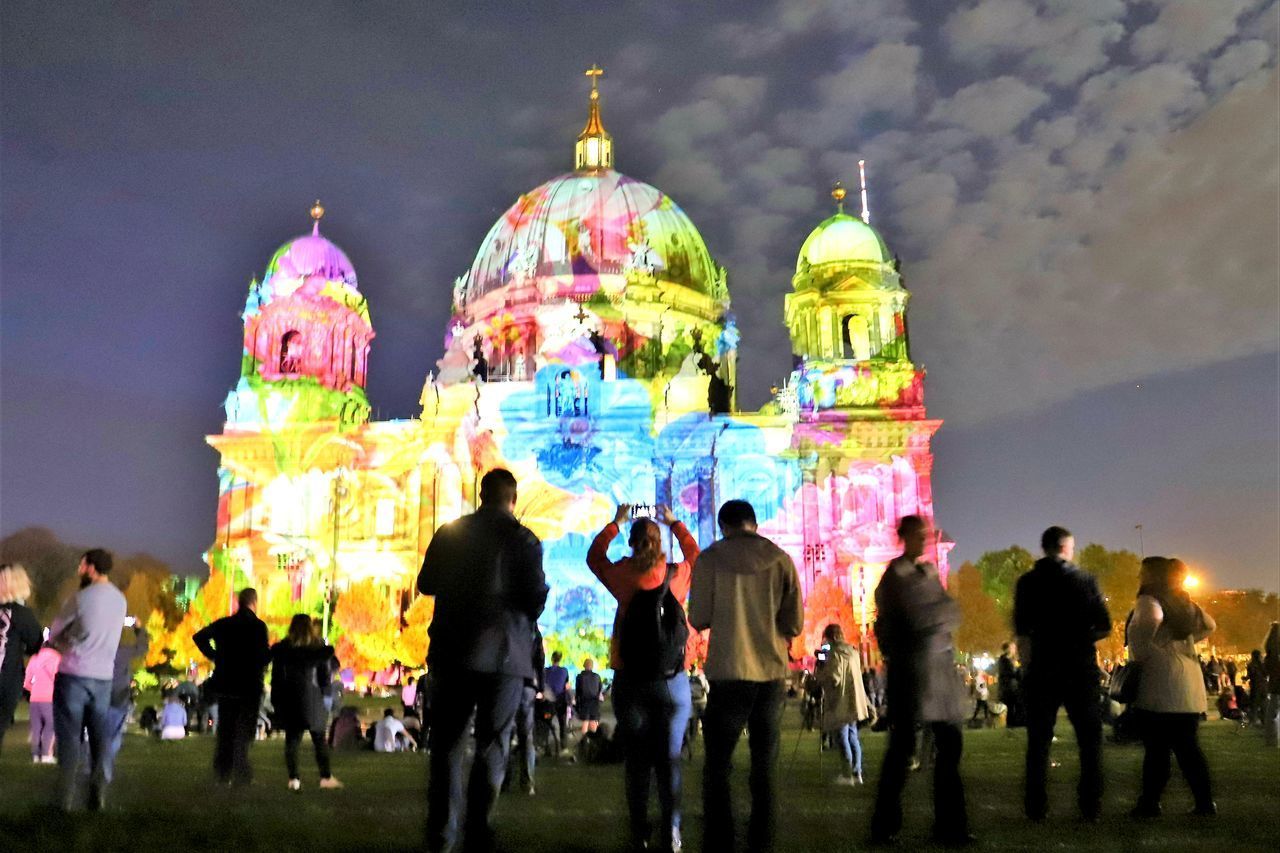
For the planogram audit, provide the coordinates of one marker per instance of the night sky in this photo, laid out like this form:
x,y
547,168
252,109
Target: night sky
x,y
1085,195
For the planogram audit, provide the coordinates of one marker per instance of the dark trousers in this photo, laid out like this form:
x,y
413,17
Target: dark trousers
x,y
562,718
237,724
80,703
455,695
526,749
652,717
293,740
1176,733
9,696
1079,695
731,705
950,817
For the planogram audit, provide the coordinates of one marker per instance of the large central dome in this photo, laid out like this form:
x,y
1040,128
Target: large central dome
x,y
587,231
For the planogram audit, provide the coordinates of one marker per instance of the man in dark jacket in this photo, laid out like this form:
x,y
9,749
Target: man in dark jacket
x,y
1058,615
1009,685
485,571
237,645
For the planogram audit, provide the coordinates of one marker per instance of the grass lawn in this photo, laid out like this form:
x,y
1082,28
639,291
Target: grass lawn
x,y
163,800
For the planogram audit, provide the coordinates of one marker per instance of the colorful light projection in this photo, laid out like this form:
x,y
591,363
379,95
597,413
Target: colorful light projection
x,y
592,352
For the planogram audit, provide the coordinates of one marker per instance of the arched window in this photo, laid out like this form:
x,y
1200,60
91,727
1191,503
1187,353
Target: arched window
x,y
291,352
856,337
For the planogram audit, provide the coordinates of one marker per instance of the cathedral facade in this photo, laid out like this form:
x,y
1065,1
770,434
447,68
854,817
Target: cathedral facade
x,y
592,351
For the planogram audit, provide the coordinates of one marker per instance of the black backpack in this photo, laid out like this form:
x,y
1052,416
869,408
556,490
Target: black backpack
x,y
654,633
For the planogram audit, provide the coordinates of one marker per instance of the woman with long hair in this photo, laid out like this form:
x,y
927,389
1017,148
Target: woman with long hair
x,y
1164,628
844,699
301,666
652,711
20,636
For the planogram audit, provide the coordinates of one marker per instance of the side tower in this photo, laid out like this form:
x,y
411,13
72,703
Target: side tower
x,y
861,434
293,447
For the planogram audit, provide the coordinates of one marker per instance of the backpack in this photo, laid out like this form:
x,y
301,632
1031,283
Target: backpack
x,y
654,633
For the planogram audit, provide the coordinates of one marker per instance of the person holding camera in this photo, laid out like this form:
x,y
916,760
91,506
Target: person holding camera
x,y
651,695
844,700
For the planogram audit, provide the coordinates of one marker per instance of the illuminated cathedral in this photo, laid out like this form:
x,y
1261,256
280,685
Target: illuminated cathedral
x,y
592,350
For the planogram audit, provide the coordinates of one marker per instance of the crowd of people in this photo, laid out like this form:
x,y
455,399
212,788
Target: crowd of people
x,y
488,685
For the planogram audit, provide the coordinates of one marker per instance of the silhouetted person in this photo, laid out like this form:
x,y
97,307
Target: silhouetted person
x,y
1058,615
914,621
746,590
485,571
237,645
302,666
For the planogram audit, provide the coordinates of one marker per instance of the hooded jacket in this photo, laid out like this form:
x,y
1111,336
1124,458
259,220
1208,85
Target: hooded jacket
x,y
844,698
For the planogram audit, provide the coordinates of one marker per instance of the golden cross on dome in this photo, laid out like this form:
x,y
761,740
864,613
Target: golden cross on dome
x,y
595,72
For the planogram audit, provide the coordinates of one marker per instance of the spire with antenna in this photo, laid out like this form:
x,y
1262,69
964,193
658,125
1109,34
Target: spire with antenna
x,y
862,180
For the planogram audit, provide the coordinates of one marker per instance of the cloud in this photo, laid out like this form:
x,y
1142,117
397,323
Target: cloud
x,y
1058,41
992,108
1238,62
1187,29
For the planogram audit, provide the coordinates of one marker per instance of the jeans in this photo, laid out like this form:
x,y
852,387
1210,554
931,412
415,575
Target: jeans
x,y
80,703
732,705
1079,694
526,751
846,738
950,817
293,739
653,715
456,694
237,724
1176,733
41,729
116,717
1271,720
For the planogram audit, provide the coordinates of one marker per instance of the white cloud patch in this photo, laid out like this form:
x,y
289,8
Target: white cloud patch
x,y
1237,63
991,108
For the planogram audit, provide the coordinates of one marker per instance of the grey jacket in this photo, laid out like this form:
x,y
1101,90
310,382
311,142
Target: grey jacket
x,y
914,621
746,590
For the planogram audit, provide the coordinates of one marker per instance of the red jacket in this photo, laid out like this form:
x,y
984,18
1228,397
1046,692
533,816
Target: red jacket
x,y
623,580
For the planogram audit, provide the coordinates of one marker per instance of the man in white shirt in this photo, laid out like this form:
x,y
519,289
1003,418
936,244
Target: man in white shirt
x,y
386,732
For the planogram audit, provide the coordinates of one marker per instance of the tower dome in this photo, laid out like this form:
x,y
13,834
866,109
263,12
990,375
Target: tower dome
x,y
306,339
842,239
585,232
647,290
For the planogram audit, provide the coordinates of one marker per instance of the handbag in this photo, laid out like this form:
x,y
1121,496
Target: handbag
x,y
1123,686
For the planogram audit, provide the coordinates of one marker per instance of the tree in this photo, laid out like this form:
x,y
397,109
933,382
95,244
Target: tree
x,y
826,603
1000,570
1243,618
414,641
370,627
584,640
983,628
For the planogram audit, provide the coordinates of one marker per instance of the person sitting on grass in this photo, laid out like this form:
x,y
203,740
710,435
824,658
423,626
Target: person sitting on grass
x,y
173,718
390,735
346,733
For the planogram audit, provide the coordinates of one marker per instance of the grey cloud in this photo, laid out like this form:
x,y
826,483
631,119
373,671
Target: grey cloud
x,y
1187,29
1238,62
1059,42
992,108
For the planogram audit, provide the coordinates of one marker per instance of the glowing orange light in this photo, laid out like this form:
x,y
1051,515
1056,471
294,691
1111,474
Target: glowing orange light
x,y
1190,582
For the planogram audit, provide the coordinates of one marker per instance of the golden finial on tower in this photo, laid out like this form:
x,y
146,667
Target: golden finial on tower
x,y
317,213
594,149
838,193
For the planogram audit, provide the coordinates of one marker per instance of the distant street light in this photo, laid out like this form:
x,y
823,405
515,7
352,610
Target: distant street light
x,y
1190,582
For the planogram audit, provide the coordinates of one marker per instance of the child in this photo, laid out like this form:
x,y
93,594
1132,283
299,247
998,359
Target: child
x,y
173,718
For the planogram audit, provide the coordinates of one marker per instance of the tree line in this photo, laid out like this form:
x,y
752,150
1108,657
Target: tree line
x,y
984,591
